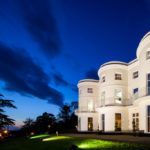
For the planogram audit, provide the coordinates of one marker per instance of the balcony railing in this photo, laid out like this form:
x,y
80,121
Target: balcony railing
x,y
85,109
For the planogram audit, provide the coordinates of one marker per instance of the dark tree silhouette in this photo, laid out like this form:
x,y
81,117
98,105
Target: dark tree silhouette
x,y
5,120
45,122
28,125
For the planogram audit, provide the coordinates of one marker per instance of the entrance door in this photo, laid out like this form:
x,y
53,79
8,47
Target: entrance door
x,y
90,124
103,122
118,122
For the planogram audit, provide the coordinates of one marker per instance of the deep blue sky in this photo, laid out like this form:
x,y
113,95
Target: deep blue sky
x,y
46,47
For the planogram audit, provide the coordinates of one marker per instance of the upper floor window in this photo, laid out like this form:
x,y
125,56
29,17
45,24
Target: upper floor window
x,y
103,79
90,90
135,93
118,76
135,74
118,96
148,55
90,105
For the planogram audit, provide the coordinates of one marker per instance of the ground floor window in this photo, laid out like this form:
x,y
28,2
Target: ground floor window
x,y
103,122
90,124
148,117
79,123
135,121
117,122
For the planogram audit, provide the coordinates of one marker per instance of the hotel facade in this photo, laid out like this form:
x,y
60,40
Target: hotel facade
x,y
120,99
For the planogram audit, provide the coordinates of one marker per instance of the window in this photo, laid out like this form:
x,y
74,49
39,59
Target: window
x,y
148,55
135,74
118,96
103,99
103,122
90,105
148,117
148,84
90,124
90,90
79,123
135,121
118,122
135,93
118,76
103,79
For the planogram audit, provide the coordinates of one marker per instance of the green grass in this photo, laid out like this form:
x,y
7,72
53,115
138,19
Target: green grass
x,y
65,142
39,136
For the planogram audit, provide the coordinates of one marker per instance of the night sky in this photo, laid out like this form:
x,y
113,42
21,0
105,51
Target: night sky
x,y
46,47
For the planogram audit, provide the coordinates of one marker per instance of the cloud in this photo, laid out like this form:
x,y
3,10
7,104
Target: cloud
x,y
59,81
22,75
41,25
92,74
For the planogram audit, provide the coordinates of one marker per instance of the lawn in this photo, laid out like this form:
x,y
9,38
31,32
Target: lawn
x,y
46,142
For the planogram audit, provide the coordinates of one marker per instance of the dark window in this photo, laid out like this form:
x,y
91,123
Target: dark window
x,y
103,122
148,117
148,84
89,90
135,90
103,79
135,74
148,55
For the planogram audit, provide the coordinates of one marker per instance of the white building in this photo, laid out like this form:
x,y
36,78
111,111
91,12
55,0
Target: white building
x,y
120,99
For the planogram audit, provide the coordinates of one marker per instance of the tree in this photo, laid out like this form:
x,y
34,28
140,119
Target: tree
x,y
28,125
45,122
5,120
67,118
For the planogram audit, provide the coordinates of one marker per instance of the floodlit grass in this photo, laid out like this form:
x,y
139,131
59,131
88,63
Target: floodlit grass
x,y
65,142
56,138
39,136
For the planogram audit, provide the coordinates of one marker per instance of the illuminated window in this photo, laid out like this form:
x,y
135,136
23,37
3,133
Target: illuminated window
x,y
90,124
103,99
148,55
135,120
135,74
90,105
89,90
103,79
118,76
118,96
118,121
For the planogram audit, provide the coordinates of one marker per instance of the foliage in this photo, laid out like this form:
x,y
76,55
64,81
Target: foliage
x,y
5,120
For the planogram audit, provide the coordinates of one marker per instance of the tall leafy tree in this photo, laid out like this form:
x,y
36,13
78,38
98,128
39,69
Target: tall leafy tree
x,y
45,122
5,120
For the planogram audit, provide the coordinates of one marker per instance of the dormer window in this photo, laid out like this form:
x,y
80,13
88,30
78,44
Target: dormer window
x,y
135,74
148,55
103,79
118,76
90,90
